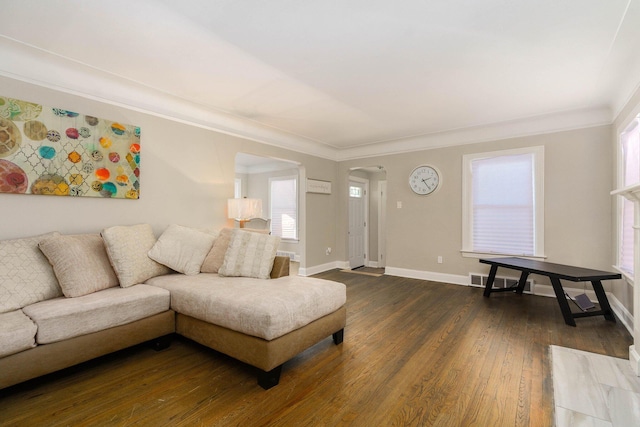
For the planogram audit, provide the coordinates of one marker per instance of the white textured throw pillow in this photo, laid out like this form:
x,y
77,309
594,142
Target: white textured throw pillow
x,y
80,263
249,255
127,247
182,249
26,277
213,261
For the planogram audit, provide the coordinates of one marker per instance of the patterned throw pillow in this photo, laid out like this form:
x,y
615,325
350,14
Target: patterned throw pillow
x,y
249,255
80,263
215,257
182,249
127,247
26,277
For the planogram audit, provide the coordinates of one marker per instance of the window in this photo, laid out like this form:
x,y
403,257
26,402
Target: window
x,y
630,153
284,207
355,192
503,203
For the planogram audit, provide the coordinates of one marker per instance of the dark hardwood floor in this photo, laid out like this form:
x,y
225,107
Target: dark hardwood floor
x,y
415,353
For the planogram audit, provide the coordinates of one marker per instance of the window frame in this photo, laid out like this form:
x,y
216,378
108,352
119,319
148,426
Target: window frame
x,y
632,125
297,191
237,188
467,201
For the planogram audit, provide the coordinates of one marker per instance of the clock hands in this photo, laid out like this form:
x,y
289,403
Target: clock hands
x,y
424,180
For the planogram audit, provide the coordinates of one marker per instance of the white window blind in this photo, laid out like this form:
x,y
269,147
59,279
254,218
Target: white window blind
x,y
630,140
503,205
284,207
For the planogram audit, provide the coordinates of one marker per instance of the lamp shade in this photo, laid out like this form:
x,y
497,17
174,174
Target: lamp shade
x,y
244,209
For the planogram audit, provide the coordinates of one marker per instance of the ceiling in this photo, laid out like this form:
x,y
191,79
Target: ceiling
x,y
339,79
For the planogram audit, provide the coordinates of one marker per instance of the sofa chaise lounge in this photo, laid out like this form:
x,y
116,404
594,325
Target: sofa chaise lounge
x,y
65,299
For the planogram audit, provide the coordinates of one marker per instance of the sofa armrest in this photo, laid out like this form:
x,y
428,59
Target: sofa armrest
x,y
280,267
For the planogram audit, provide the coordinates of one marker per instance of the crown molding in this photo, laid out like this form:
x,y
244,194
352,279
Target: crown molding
x,y
549,123
36,66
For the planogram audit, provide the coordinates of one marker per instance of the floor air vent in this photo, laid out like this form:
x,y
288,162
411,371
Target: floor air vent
x,y
291,255
480,281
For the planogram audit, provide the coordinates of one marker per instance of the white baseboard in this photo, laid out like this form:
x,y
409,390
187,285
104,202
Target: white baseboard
x,y
540,290
316,269
621,312
427,275
634,359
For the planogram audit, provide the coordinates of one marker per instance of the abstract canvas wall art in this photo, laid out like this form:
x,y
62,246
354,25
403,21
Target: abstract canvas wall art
x,y
52,151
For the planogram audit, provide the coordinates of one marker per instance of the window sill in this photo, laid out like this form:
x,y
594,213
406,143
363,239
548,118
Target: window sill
x,y
472,254
625,275
283,240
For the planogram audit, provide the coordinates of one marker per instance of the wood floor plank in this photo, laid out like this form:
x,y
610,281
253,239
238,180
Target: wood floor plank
x,y
415,353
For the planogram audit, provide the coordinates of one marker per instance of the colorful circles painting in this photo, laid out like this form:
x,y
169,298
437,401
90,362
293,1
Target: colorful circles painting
x,y
17,110
10,138
35,130
57,151
50,184
12,178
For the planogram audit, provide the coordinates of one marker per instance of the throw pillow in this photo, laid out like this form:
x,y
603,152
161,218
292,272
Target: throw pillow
x,y
127,247
182,249
26,277
215,257
80,263
249,255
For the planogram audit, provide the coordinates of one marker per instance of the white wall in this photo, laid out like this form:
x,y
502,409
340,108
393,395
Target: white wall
x,y
578,172
187,175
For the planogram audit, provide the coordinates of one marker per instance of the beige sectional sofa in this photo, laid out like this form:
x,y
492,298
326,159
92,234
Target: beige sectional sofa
x,y
67,299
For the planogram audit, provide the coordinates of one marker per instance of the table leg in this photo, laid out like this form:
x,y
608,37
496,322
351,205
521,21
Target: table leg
x,y
522,282
603,300
562,301
490,279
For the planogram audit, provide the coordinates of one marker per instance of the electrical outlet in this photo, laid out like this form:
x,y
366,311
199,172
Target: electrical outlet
x,y
399,205
328,251
439,259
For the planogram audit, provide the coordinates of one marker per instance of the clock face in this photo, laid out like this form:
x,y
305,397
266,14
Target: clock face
x,y
424,180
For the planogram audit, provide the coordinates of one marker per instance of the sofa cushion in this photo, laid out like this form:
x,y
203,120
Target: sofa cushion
x,y
80,263
249,255
127,247
265,309
17,333
62,318
182,249
26,276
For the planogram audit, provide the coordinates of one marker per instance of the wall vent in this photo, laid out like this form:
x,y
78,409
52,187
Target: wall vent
x,y
291,255
480,281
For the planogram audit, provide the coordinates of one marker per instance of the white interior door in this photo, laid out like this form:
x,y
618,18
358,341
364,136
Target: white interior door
x,y
357,224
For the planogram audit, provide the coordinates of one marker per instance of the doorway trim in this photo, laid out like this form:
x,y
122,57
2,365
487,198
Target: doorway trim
x,y
382,224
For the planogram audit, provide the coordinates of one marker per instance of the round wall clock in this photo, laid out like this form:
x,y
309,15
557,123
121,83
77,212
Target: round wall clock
x,y
424,180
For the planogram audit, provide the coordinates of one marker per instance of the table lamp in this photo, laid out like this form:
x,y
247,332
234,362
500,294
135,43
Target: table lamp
x,y
244,209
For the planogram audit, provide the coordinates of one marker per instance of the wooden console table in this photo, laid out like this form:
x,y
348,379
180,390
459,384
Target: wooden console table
x,y
555,272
